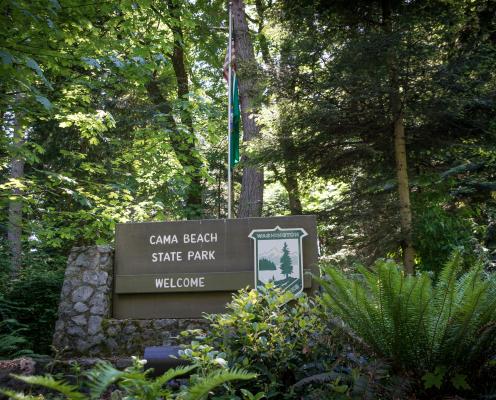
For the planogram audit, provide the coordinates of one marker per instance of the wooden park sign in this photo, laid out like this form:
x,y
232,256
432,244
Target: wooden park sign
x,y
183,269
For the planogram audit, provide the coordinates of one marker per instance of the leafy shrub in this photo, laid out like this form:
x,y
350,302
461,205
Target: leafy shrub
x,y
438,232
417,324
133,383
289,342
271,333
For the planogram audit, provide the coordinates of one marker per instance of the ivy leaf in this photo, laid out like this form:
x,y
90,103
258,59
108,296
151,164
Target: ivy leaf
x,y
434,378
35,67
44,101
459,381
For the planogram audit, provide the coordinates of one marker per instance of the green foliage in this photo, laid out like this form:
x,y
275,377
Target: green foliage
x,y
291,344
204,385
329,95
441,228
36,295
134,383
13,341
32,299
448,326
271,333
69,391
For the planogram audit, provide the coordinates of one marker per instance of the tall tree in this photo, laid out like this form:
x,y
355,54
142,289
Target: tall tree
x,y
185,142
400,152
288,177
371,78
251,198
194,195
14,233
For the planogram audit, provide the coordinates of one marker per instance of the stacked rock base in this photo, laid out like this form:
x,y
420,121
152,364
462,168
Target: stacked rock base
x,y
85,327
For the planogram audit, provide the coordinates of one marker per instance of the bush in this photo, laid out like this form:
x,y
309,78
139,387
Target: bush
x,y
443,332
291,344
438,232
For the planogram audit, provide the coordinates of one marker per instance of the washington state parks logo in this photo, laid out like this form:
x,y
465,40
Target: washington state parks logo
x,y
279,257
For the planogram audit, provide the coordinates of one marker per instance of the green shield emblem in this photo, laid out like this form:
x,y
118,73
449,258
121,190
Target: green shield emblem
x,y
279,257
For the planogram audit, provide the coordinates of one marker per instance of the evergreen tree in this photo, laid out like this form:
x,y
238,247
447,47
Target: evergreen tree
x,y
266,265
286,264
389,76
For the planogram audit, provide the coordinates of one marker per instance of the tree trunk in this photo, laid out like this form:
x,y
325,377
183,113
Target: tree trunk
x,y
252,183
293,190
194,197
399,147
14,233
290,183
286,138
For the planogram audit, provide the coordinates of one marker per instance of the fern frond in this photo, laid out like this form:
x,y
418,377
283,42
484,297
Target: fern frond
x,y
18,396
415,323
462,327
337,292
322,378
172,374
201,389
49,382
10,342
101,377
484,346
443,301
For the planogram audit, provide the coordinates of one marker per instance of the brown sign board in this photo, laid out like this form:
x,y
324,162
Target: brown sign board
x,y
186,268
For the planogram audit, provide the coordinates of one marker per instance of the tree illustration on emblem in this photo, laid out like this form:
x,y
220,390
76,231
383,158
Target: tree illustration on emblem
x,y
286,264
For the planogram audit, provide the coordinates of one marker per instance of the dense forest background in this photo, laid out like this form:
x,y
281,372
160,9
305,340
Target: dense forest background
x,y
116,111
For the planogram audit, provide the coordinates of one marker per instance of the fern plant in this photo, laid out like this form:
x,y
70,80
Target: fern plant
x,y
13,343
417,324
133,383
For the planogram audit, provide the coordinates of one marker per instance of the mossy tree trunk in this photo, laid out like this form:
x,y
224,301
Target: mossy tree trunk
x,y
252,184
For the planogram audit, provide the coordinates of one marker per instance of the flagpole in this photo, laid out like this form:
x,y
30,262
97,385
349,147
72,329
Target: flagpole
x,y
229,118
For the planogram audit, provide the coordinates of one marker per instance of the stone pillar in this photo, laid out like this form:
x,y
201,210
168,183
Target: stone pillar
x,y
85,301
85,327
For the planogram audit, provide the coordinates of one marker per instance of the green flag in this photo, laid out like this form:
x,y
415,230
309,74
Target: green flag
x,y
235,119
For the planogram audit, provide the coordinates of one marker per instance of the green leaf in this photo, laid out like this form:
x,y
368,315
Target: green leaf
x,y
35,67
49,382
340,389
100,377
17,396
44,101
213,380
459,382
92,62
6,57
55,4
434,378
